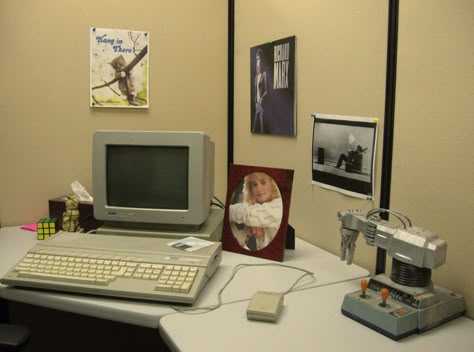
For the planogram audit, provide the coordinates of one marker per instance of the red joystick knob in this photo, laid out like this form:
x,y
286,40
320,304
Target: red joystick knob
x,y
384,293
363,287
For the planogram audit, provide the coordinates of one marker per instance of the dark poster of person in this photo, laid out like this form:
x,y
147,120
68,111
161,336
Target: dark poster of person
x,y
272,87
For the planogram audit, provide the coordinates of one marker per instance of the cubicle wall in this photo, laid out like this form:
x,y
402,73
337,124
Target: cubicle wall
x,y
432,166
46,123
341,56
340,69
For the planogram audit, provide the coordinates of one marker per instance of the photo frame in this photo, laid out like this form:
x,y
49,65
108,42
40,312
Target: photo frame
x,y
256,211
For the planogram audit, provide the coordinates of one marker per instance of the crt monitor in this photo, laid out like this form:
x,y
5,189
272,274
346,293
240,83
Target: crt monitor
x,y
152,179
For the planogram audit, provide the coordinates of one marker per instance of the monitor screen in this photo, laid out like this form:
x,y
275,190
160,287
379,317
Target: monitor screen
x,y
147,176
152,179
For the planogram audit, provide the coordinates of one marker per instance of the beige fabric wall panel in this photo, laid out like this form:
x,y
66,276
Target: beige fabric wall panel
x,y
340,69
46,123
433,171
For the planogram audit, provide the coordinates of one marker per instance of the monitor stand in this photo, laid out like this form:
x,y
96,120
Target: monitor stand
x,y
211,230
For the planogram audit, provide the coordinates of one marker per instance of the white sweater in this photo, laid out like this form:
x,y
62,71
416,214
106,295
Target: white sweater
x,y
267,216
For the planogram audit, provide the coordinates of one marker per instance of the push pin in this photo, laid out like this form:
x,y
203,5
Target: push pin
x,y
363,288
384,293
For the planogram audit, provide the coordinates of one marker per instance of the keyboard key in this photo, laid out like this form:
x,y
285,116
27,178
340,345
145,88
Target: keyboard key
x,y
163,287
185,287
44,276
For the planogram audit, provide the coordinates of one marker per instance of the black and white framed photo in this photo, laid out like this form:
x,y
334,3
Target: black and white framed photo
x,y
343,158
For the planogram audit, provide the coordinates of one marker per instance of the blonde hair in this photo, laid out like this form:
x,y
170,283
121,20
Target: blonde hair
x,y
248,197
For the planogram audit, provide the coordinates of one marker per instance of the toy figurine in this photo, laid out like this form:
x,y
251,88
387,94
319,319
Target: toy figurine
x,y
71,215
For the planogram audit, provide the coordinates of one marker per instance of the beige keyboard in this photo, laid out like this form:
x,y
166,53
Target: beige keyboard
x,y
170,274
103,270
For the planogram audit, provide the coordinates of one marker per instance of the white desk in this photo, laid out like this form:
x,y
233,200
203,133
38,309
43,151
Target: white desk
x,y
310,321
15,242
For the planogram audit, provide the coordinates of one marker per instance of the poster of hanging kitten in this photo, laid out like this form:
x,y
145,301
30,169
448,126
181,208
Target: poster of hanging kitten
x,y
119,68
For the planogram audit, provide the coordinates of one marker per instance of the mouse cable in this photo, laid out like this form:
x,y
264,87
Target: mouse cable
x,y
201,310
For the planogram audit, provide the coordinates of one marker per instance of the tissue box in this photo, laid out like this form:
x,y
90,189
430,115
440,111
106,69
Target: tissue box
x,y
87,221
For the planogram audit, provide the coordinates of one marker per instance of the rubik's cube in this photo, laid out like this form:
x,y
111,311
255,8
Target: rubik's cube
x,y
46,227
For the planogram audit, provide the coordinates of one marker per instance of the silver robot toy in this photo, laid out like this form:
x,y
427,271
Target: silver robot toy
x,y
407,301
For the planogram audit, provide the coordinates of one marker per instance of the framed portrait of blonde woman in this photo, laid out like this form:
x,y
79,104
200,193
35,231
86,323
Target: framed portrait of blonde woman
x,y
256,211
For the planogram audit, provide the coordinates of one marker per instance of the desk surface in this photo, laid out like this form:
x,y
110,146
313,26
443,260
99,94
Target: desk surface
x,y
327,267
310,320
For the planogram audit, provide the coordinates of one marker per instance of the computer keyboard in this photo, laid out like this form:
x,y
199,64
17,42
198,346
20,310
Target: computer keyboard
x,y
120,266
